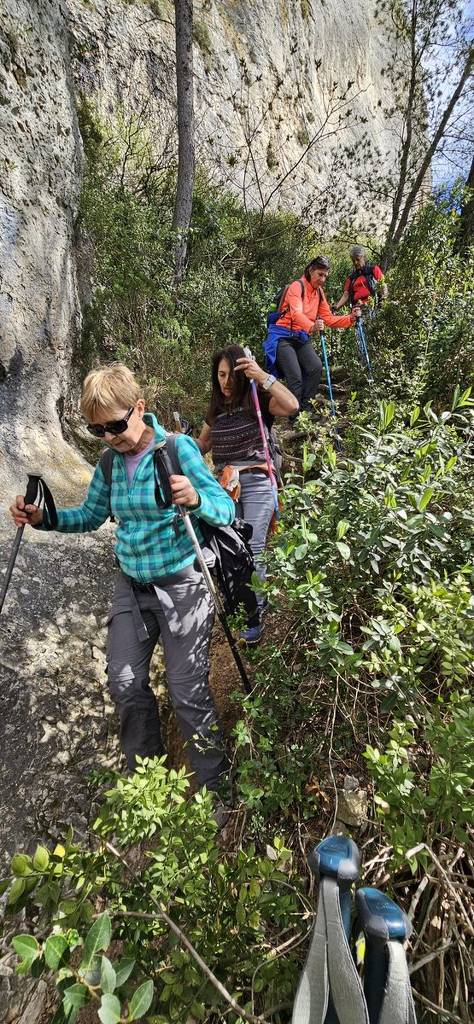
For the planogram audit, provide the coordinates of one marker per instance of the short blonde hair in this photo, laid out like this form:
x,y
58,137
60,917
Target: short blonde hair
x,y
109,388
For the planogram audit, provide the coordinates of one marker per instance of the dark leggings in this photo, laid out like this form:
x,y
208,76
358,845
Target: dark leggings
x,y
301,367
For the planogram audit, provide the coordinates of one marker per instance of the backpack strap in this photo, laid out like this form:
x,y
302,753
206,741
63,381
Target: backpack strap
x,y
165,461
106,463
367,272
283,296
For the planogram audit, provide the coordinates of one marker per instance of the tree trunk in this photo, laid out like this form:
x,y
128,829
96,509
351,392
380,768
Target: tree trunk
x,y
393,241
466,224
186,159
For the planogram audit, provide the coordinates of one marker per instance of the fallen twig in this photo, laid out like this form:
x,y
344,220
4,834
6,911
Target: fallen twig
x,y
449,884
429,956
437,1009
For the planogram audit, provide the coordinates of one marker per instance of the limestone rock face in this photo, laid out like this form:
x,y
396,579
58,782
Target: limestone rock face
x,y
40,175
263,71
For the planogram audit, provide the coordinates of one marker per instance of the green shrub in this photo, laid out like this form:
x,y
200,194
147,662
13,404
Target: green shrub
x,y
153,850
424,780
371,574
424,336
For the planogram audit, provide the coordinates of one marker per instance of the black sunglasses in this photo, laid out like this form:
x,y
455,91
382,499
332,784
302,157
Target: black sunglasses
x,y
113,427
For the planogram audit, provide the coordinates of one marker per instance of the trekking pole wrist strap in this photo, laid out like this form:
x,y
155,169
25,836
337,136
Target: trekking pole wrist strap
x,y
50,515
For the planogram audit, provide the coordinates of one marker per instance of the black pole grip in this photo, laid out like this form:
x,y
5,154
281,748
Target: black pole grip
x,y
32,489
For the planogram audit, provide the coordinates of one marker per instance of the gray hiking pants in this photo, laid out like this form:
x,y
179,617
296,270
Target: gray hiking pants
x,y
256,506
180,612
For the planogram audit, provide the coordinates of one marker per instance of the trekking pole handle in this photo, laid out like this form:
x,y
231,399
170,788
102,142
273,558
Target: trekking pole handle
x,y
337,857
382,922
380,918
32,489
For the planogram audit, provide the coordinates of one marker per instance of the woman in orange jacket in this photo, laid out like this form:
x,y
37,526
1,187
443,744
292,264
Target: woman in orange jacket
x,y
303,311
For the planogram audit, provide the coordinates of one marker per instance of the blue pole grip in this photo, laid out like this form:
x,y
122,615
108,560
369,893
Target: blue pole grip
x,y
382,921
337,857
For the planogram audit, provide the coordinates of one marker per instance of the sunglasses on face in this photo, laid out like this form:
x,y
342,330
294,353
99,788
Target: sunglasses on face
x,y
112,427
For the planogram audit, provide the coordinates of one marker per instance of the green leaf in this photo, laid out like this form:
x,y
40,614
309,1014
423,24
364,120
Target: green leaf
x,y
123,970
387,412
61,1017
75,996
110,1009
465,399
141,1001
425,498
97,938
414,415
40,859
198,1011
108,977
26,946
21,864
16,891
344,550
54,948
342,528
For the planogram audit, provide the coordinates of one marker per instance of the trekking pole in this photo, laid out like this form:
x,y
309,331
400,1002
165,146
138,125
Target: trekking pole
x,y
32,489
218,604
185,516
362,346
329,383
387,985
330,989
263,433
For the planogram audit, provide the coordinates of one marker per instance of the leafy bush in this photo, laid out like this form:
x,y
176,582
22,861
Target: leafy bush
x,y
152,854
424,336
372,570
419,802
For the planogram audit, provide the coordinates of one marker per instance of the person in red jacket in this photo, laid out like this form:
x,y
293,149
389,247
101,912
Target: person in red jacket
x,y
364,283
303,312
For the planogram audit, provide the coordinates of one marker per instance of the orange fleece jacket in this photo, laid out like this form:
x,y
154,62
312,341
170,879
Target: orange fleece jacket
x,y
305,309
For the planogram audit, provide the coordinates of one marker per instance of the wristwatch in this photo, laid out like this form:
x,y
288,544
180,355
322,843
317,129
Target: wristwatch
x,y
268,382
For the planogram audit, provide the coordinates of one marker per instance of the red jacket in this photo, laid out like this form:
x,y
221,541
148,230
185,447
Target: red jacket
x,y
305,309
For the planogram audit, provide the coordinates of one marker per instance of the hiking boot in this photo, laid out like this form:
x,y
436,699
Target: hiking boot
x,y
252,635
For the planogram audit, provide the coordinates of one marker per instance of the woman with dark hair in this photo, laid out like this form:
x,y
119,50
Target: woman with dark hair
x,y
232,434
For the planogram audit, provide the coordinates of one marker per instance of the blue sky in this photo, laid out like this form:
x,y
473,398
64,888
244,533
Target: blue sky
x,y
446,171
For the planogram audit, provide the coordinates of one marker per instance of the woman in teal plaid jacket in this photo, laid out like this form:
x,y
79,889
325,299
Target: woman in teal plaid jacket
x,y
159,592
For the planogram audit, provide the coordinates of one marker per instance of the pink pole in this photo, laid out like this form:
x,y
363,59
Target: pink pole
x,y
263,433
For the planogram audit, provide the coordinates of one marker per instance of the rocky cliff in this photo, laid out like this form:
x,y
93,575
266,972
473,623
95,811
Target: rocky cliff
x,y
264,71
